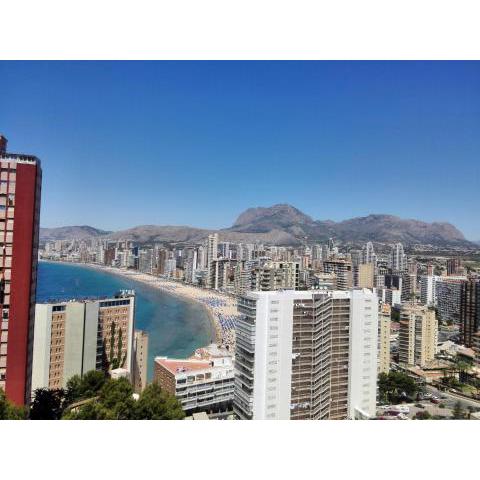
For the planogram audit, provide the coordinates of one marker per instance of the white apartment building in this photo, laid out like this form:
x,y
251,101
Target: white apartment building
x,y
443,293
306,355
398,259
427,290
212,254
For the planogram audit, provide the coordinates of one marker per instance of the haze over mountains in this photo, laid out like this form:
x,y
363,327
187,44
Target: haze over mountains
x,y
284,224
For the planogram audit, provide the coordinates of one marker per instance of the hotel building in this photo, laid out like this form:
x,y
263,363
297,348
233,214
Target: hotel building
x,y
306,355
20,188
74,337
200,385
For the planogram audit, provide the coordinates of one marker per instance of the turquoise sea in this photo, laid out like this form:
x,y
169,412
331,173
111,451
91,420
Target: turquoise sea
x,y
175,327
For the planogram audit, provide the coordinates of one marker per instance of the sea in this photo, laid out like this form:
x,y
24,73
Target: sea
x,y
176,327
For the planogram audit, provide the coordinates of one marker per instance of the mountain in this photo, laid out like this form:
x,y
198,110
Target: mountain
x,y
377,228
262,219
286,225
388,228
67,233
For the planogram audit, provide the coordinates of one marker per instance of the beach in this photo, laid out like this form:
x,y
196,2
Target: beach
x,y
221,308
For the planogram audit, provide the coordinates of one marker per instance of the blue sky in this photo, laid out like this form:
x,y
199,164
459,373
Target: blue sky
x,y
196,143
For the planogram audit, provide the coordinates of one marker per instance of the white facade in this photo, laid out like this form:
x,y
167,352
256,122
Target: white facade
x,y
398,259
427,290
266,353
362,375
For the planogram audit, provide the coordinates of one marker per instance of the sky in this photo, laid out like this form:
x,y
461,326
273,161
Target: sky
x,y
196,143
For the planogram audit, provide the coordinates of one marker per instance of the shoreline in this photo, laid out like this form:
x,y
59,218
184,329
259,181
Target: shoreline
x,y
221,309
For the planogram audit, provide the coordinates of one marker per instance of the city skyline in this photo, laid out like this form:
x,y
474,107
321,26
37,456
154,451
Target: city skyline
x,y
335,139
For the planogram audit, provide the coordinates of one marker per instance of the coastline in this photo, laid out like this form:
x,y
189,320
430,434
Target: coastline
x,y
221,309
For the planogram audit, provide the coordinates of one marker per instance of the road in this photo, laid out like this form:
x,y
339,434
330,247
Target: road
x,y
452,399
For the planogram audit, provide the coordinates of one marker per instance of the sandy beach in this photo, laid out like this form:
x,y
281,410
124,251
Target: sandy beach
x,y
222,309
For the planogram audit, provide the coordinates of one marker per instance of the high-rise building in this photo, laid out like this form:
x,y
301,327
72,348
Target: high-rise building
x,y
343,270
427,290
454,266
368,254
306,355
409,287
418,335
275,276
191,264
447,297
366,275
20,189
469,310
384,322
212,254
398,259
146,259
74,337
140,360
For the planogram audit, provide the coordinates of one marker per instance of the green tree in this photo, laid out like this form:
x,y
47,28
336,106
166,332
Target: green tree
x,y
9,411
394,386
155,404
47,404
87,386
114,402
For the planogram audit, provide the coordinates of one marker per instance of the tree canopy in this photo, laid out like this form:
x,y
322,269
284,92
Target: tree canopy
x,y
394,386
114,401
9,411
47,404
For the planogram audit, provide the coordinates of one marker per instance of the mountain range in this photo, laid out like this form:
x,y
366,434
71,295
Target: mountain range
x,y
284,224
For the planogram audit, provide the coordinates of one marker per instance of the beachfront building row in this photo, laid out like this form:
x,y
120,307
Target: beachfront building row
x,y
201,385
74,337
306,355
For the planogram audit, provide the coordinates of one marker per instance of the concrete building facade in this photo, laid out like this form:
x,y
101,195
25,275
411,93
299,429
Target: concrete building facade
x,y
20,191
418,335
74,337
200,385
306,355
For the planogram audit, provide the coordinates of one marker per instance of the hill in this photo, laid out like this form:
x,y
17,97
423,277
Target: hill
x,y
284,224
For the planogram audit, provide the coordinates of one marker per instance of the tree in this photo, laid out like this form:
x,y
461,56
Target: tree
x,y
155,404
87,386
458,413
117,396
9,411
393,386
47,404
114,402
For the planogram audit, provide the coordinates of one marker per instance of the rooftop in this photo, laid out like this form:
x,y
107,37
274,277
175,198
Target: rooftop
x,y
174,365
